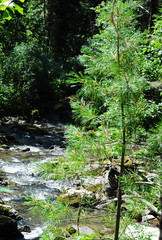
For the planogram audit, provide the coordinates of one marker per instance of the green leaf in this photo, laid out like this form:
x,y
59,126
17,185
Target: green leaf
x,y
7,15
22,0
3,1
2,8
11,9
28,32
19,9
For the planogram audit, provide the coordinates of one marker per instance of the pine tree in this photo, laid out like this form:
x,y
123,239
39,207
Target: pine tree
x,y
112,92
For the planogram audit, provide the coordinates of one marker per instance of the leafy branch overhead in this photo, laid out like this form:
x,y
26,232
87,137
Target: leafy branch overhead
x,y
8,7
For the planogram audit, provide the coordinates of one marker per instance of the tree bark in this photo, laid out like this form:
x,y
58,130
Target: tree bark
x,y
119,196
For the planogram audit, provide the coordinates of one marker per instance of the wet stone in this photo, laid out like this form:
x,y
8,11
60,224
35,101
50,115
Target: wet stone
x,y
8,229
4,146
84,230
25,228
9,211
23,149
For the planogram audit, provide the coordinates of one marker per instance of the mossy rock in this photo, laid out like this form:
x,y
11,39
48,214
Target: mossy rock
x,y
71,199
83,230
9,212
90,187
71,230
4,209
75,196
95,188
99,187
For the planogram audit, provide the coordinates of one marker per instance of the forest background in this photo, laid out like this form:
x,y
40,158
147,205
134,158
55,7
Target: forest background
x,y
105,60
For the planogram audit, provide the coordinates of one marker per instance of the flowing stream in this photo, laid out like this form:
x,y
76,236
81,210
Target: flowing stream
x,y
28,146
31,145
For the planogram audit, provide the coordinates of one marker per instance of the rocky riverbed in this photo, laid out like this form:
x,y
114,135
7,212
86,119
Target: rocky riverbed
x,y
23,147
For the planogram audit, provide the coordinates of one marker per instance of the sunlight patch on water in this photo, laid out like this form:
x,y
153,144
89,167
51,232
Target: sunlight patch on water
x,y
23,147
16,168
24,180
33,234
13,169
41,195
15,160
61,185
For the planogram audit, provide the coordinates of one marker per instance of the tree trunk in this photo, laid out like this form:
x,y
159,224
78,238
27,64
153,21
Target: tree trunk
x,y
119,196
153,10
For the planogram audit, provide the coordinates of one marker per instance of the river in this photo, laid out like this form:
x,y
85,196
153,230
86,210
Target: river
x,y
29,146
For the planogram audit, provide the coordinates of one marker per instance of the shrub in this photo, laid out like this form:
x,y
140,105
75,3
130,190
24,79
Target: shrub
x,y
29,79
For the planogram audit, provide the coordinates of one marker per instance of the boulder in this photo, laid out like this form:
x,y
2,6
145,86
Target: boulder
x,y
25,228
89,194
8,229
75,196
71,230
84,230
111,176
9,212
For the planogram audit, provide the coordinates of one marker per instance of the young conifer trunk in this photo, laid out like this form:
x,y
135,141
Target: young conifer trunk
x,y
119,194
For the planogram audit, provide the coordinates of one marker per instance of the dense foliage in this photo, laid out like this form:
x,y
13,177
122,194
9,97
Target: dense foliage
x,y
30,79
38,48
